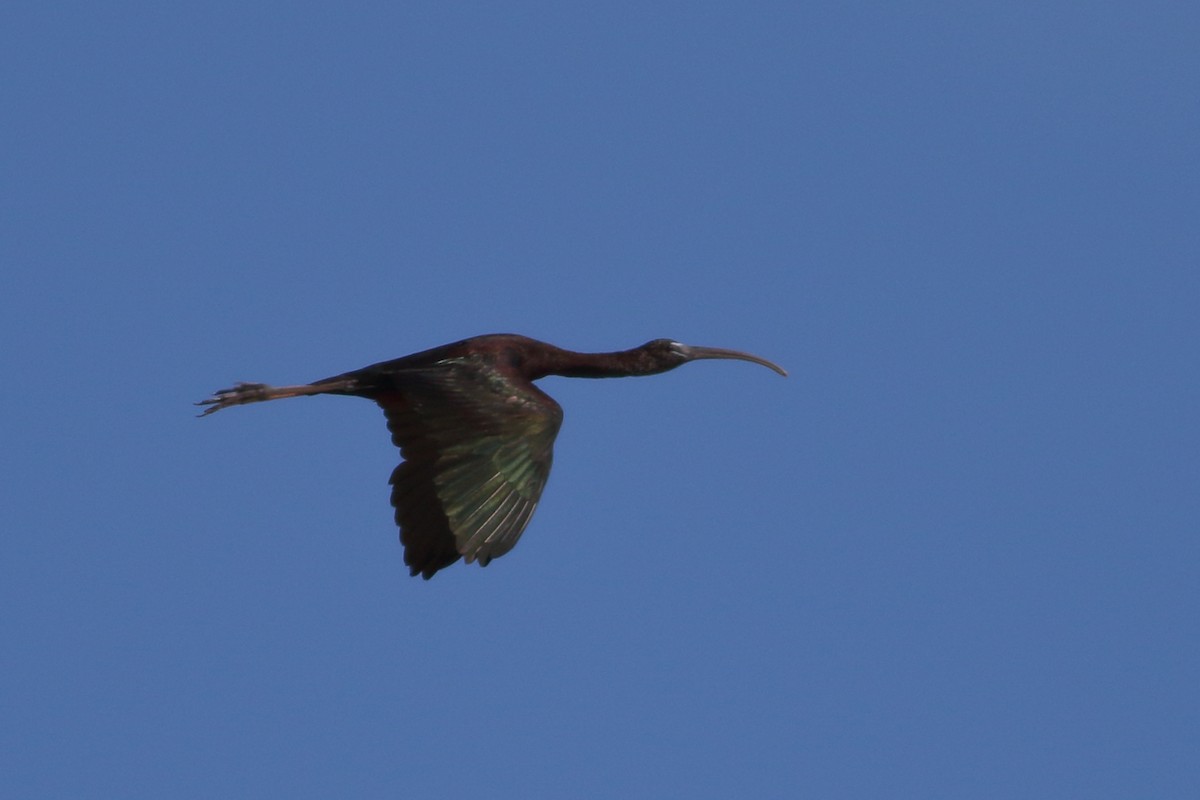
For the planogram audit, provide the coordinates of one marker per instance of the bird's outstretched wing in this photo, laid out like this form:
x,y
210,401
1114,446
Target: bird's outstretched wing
x,y
477,449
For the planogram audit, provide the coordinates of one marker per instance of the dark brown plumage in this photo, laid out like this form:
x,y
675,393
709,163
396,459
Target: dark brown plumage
x,y
476,435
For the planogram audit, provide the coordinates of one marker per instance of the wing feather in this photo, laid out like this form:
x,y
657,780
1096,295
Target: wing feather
x,y
477,449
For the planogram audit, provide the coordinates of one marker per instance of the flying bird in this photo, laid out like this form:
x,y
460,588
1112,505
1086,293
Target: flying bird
x,y
475,434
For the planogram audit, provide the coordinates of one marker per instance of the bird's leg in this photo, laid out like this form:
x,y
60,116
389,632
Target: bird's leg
x,y
243,393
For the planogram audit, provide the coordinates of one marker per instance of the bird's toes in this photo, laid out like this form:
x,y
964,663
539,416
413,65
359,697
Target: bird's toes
x,y
236,395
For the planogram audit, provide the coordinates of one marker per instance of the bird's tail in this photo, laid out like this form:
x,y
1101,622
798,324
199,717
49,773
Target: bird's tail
x,y
243,393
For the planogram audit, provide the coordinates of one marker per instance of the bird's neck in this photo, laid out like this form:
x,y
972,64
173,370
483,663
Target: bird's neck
x,y
619,364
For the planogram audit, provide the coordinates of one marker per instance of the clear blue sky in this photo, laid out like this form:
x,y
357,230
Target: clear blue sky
x,y
954,555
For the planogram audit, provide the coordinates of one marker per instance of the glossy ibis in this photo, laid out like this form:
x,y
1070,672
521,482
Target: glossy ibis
x,y
476,436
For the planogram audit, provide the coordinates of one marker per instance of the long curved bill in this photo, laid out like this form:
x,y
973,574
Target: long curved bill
x,y
697,353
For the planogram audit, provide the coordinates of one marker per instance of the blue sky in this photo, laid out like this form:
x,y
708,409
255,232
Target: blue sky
x,y
953,555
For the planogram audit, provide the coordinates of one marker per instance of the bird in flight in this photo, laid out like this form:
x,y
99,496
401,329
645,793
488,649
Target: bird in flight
x,y
475,434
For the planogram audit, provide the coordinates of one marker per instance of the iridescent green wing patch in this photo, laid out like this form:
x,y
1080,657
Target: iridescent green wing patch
x,y
477,450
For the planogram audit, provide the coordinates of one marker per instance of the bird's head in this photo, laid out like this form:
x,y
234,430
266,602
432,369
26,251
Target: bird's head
x,y
665,354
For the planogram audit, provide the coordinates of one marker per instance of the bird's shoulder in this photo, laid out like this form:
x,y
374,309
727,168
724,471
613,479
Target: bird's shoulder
x,y
464,392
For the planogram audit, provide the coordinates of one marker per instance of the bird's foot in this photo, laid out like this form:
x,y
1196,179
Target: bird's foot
x,y
238,395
